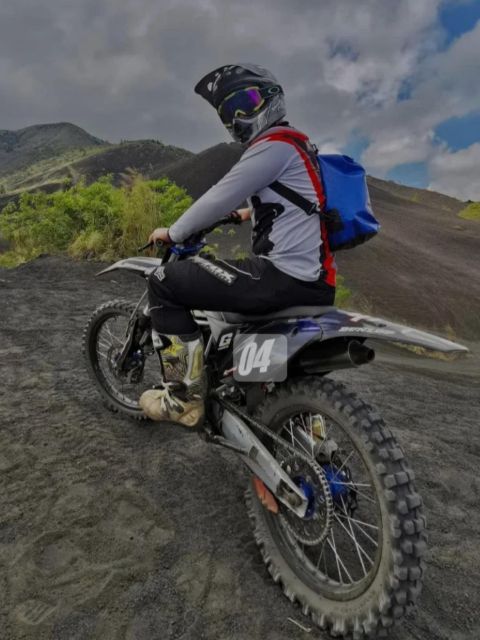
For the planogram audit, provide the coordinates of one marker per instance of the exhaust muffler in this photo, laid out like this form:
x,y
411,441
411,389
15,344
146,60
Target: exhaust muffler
x,y
335,355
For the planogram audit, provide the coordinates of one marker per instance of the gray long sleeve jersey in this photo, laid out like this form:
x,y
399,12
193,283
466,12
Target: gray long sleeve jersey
x,y
294,240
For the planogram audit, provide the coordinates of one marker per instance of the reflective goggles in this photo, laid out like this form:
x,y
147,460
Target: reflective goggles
x,y
245,102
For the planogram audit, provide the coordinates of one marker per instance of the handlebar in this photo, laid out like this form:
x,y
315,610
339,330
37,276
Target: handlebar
x,y
197,236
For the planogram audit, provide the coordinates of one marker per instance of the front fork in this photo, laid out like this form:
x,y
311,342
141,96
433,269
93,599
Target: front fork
x,y
135,332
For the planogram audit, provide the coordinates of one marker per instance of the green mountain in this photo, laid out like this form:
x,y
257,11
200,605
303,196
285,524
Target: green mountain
x,y
25,147
49,155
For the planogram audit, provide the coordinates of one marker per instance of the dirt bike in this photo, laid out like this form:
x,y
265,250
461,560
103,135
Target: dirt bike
x,y
332,501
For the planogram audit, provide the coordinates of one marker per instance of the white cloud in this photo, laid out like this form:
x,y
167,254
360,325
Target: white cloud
x,y
127,70
446,85
390,149
457,173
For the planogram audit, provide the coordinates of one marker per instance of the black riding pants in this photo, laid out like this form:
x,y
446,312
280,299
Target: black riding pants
x,y
252,285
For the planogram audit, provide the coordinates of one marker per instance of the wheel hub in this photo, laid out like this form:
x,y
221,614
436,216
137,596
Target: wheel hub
x,y
132,369
315,526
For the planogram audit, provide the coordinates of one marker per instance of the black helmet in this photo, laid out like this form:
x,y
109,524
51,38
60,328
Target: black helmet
x,y
247,97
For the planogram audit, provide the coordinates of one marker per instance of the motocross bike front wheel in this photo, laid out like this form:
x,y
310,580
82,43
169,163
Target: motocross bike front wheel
x,y
103,341
353,562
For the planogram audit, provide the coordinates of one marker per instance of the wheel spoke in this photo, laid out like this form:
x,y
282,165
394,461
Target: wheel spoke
x,y
338,559
294,439
358,546
364,496
309,431
113,336
353,485
344,462
321,554
359,524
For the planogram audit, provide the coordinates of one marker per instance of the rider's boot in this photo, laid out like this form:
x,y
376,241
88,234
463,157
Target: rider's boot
x,y
180,397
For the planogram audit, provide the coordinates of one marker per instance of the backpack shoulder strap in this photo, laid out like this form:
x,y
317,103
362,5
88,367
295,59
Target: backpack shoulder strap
x,y
295,198
287,134
303,146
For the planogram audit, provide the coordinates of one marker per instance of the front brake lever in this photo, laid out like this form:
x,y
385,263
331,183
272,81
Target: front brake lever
x,y
149,245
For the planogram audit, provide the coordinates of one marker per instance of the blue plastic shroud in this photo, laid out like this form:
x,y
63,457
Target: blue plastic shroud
x,y
345,186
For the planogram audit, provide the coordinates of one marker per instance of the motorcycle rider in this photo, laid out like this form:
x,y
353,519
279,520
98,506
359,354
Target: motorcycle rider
x,y
292,263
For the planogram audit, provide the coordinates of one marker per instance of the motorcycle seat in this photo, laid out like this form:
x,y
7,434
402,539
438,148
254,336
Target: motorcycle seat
x,y
282,314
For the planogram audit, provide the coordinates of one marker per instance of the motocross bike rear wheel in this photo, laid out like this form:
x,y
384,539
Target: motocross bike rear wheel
x,y
354,562
103,340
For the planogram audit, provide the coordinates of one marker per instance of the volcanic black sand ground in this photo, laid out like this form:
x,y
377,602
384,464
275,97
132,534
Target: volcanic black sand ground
x,y
110,529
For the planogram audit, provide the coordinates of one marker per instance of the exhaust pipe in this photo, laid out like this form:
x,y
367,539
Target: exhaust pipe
x,y
334,356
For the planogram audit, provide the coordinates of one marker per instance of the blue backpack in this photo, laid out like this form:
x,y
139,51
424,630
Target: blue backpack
x,y
342,190
345,187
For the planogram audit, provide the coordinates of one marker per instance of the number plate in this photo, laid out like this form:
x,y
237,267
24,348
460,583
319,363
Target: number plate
x,y
260,357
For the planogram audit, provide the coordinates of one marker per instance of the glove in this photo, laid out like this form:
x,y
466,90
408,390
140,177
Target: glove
x,y
235,217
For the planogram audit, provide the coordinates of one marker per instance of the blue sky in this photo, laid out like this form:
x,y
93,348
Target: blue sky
x,y
395,83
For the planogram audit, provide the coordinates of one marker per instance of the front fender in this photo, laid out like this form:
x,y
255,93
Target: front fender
x,y
142,266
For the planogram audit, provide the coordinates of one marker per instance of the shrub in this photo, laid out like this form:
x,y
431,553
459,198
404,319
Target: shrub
x,y
471,212
37,224
98,221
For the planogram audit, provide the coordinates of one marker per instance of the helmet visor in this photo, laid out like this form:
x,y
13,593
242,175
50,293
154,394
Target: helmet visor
x,y
244,102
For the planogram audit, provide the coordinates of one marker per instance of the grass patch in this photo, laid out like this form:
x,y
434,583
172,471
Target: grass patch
x,y
343,293
471,212
38,173
428,353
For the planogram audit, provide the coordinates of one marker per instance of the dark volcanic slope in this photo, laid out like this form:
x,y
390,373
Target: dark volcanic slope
x,y
199,172
143,156
19,149
113,530
422,268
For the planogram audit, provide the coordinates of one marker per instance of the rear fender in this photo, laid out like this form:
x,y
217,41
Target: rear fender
x,y
344,324
142,266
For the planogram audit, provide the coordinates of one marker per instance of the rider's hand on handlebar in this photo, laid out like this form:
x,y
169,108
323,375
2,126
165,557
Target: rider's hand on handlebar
x,y
160,235
239,215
